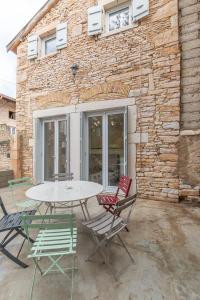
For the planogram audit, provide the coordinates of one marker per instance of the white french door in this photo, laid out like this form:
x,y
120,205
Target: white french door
x,y
105,147
55,147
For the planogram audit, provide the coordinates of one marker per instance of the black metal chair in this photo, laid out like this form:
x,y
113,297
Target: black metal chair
x,y
12,224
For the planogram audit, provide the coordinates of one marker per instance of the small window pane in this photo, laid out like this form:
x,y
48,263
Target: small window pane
x,y
119,19
95,149
50,45
115,148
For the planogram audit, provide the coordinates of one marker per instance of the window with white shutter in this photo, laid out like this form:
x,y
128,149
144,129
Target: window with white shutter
x,y
95,20
32,47
140,9
61,36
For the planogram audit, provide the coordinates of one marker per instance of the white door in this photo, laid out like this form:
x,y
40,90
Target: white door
x,y
55,147
106,147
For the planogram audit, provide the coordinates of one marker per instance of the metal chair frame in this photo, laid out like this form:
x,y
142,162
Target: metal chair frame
x,y
56,238
61,177
12,224
109,200
106,226
25,203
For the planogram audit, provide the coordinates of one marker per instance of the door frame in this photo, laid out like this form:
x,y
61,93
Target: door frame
x,y
56,120
85,153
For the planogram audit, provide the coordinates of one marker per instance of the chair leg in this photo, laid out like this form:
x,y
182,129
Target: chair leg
x,y
72,282
82,207
24,235
98,247
33,282
13,258
126,249
127,229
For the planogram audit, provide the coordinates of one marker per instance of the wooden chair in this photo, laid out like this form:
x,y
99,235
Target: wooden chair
x,y
56,238
23,204
109,200
106,226
11,224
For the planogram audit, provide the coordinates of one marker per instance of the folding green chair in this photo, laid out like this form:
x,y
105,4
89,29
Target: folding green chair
x,y
23,204
56,238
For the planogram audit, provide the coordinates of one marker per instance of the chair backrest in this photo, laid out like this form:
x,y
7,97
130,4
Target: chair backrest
x,y
124,185
61,221
123,205
3,207
24,181
63,176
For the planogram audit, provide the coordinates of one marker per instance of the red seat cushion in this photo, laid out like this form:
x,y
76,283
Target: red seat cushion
x,y
107,199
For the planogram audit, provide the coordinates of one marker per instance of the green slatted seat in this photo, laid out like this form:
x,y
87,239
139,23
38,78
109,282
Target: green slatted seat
x,y
56,238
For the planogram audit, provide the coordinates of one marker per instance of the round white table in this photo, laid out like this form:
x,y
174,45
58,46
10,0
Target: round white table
x,y
66,192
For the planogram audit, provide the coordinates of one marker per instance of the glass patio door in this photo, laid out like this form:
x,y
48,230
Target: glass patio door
x,y
55,150
106,147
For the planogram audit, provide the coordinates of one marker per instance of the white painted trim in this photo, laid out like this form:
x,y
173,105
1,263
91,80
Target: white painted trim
x,y
52,112
106,104
34,148
75,146
88,106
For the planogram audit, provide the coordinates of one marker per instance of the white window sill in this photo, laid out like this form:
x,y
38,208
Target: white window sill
x,y
106,34
48,55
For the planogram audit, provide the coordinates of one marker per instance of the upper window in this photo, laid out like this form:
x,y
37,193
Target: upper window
x,y
49,44
118,18
11,115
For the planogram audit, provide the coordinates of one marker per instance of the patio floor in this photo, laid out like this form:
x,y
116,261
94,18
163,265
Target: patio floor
x,y
164,239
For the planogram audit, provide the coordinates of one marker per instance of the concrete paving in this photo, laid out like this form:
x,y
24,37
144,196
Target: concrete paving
x,y
164,239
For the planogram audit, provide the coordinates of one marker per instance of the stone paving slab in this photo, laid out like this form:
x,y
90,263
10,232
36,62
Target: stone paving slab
x,y
164,239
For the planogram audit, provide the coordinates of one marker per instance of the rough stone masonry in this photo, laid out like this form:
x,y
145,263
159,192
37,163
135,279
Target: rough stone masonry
x,y
189,142
142,62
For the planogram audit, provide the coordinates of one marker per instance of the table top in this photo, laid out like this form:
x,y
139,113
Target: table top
x,y
64,191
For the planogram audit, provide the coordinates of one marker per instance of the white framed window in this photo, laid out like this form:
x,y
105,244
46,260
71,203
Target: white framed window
x,y
118,17
49,44
12,130
105,147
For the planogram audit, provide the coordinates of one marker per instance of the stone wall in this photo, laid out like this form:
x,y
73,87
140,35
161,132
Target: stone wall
x,y
189,145
189,12
5,161
141,63
5,107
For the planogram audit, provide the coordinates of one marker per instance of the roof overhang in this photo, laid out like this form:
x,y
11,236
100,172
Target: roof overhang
x,y
2,96
12,46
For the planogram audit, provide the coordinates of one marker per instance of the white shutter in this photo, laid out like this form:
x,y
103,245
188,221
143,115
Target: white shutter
x,y
61,35
32,46
140,9
95,20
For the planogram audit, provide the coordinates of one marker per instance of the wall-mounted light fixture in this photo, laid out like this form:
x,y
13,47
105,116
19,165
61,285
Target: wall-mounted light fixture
x,y
74,68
